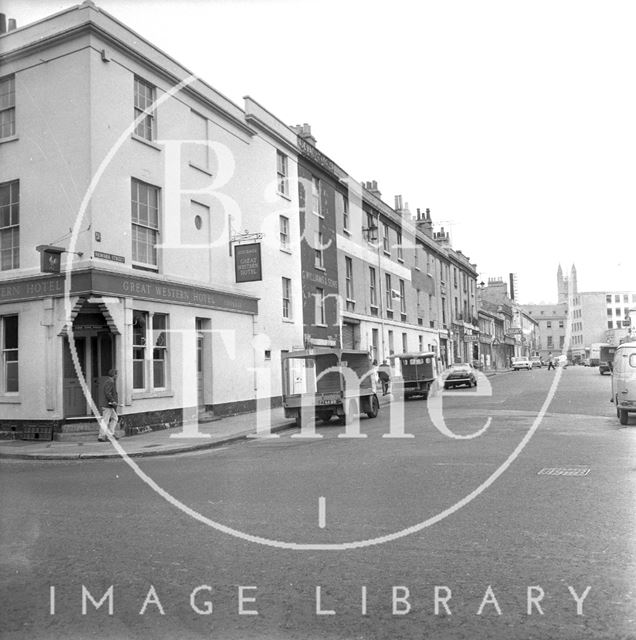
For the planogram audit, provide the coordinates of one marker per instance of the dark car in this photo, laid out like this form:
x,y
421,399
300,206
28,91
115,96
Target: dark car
x,y
460,374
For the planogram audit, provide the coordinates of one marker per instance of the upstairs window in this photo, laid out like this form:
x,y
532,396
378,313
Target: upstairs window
x,y
385,239
315,196
144,107
287,292
373,297
349,278
400,252
7,107
282,173
319,309
284,232
318,251
9,225
145,223
345,211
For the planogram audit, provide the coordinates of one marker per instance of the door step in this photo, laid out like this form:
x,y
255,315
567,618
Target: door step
x,y
207,416
78,431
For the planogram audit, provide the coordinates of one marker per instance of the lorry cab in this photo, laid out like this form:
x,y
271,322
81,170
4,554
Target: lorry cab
x,y
419,371
328,382
624,381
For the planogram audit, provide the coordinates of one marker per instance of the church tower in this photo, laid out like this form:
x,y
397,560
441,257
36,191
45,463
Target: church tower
x,y
575,288
563,282
562,286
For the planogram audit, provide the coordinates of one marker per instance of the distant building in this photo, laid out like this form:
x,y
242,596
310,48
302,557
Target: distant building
x,y
551,326
600,316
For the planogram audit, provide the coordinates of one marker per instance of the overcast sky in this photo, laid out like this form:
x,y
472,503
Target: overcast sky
x,y
514,122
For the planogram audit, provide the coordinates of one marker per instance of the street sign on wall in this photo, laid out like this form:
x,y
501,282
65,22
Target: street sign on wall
x,y
247,262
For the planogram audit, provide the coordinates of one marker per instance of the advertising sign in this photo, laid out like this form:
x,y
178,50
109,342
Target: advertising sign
x,y
247,262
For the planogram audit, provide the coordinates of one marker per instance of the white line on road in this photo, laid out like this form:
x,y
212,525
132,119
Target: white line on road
x,y
321,512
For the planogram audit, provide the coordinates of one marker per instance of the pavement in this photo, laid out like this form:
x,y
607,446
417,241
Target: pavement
x,y
215,433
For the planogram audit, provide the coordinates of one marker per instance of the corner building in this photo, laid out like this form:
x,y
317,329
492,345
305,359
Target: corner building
x,y
161,180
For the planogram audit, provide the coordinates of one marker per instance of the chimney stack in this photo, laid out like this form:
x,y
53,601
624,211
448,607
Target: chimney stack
x,y
3,23
12,24
442,238
424,223
304,131
372,187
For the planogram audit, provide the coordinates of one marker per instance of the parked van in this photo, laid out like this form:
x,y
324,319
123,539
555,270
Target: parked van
x,y
624,381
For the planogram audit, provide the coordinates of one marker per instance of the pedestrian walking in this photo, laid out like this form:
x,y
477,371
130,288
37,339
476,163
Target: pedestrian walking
x,y
550,361
384,373
108,423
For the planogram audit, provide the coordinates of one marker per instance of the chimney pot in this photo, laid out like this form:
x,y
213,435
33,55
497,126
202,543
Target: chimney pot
x,y
3,23
12,25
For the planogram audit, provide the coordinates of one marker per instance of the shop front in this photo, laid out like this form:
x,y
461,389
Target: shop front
x,y
177,348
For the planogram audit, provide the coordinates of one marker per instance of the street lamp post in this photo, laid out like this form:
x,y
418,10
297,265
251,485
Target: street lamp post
x,y
371,234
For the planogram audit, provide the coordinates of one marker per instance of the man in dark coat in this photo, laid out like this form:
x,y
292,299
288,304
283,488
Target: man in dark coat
x,y
108,423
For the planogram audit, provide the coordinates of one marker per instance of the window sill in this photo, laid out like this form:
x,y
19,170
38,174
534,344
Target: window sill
x,y
288,320
319,324
143,267
10,399
346,231
201,169
148,143
146,395
319,215
320,269
402,261
12,138
286,196
286,250
387,253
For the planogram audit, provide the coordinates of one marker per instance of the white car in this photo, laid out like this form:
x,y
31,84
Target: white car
x,y
521,363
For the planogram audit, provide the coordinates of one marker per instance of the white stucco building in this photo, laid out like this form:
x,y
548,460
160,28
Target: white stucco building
x,y
149,180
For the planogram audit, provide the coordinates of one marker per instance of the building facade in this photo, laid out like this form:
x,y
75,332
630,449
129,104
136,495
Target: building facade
x,y
551,327
150,225
600,317
174,198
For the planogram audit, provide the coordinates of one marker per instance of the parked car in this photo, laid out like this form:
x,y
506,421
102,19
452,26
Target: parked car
x,y
537,363
624,381
459,375
521,363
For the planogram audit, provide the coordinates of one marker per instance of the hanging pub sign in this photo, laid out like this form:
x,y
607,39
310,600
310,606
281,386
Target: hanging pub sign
x,y
247,262
50,258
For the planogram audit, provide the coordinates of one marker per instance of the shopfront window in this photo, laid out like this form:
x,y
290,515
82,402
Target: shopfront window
x,y
150,351
9,337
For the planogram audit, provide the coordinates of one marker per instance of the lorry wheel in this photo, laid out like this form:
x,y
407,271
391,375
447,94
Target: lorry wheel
x,y
623,416
325,416
374,407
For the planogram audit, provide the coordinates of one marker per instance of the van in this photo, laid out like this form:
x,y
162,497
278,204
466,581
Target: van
x,y
624,381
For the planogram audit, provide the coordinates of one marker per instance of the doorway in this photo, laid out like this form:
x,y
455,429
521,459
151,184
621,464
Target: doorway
x,y
203,363
96,355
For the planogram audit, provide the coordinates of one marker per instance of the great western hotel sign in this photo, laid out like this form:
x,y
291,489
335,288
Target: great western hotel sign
x,y
98,282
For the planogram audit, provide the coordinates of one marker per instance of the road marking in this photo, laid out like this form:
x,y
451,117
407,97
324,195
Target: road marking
x,y
564,471
321,512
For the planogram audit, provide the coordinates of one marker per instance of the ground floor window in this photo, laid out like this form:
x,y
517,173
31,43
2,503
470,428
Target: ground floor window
x,y
9,341
150,350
